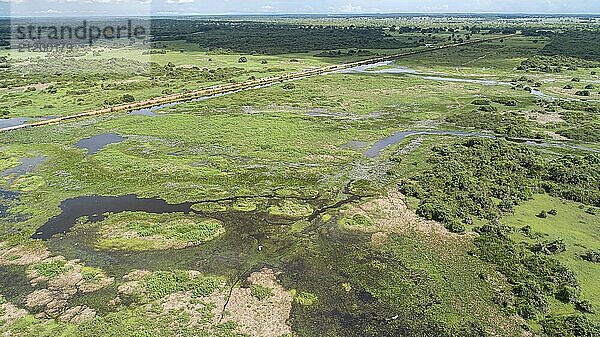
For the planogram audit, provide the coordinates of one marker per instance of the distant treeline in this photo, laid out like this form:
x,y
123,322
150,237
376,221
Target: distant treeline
x,y
266,38
583,44
4,32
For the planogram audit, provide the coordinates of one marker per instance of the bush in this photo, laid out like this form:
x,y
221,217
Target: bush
x,y
127,98
592,256
506,102
575,325
549,247
243,59
585,307
567,294
483,178
481,102
583,93
289,86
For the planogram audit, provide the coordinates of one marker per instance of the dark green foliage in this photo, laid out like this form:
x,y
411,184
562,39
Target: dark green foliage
x,y
592,256
585,306
567,294
583,93
487,118
555,64
273,38
534,277
484,178
570,326
505,101
289,86
481,102
127,98
549,247
542,215
339,53
582,44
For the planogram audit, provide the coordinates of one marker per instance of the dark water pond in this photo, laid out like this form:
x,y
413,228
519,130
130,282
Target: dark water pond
x,y
97,143
6,198
94,207
250,238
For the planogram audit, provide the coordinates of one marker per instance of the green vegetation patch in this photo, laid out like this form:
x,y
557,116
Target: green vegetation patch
x,y
163,283
508,123
244,206
91,274
209,207
483,179
51,269
303,298
28,183
292,209
260,292
356,221
418,285
143,231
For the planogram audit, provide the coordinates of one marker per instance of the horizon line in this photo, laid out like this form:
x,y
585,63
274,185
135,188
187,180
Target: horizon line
x,y
171,14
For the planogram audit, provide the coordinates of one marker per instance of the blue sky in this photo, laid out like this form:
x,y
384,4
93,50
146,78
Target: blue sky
x,y
144,7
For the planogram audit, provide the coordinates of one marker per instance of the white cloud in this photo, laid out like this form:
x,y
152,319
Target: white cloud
x,y
180,2
349,8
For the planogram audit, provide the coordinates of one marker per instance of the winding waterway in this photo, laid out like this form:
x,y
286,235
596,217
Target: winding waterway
x,y
375,150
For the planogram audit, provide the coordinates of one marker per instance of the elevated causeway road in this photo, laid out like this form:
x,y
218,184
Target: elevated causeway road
x,y
236,87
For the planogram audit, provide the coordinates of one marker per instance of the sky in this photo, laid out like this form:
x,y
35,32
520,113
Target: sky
x,y
204,7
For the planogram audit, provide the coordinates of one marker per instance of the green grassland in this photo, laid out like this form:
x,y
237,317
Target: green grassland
x,y
572,224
